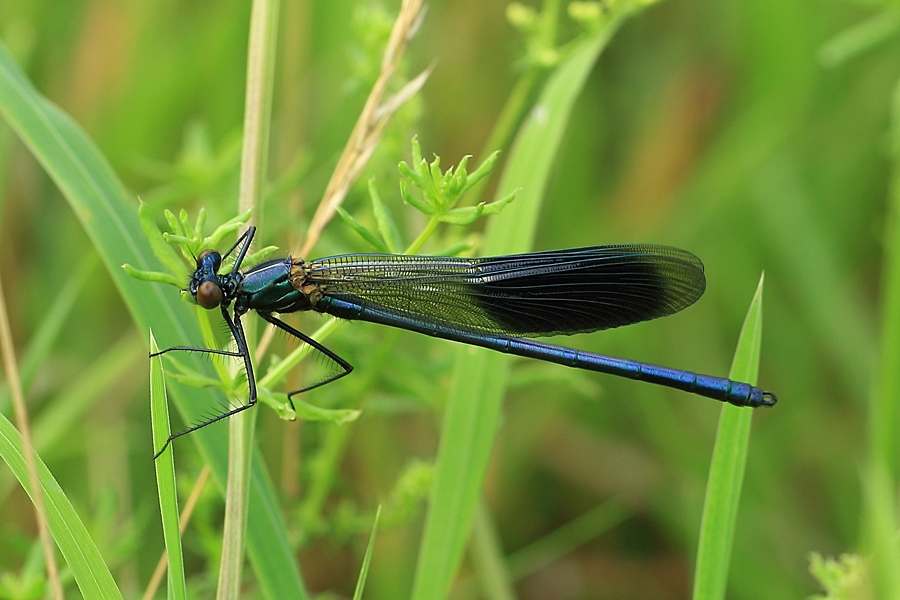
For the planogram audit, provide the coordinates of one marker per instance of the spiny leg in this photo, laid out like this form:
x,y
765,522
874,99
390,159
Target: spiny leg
x,y
193,349
237,332
343,364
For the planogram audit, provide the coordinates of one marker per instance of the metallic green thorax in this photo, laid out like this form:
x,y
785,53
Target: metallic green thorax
x,y
276,286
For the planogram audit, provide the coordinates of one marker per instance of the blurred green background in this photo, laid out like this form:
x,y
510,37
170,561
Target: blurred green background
x,y
733,130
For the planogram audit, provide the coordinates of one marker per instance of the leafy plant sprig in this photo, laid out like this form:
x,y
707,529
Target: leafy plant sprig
x,y
190,241
539,27
438,194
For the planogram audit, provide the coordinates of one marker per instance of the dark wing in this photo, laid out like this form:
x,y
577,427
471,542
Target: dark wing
x,y
527,295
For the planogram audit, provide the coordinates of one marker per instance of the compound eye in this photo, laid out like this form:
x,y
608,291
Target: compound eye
x,y
209,259
209,295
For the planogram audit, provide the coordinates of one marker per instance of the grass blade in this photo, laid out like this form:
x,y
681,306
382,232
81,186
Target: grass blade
x,y
726,472
470,420
165,476
367,559
88,567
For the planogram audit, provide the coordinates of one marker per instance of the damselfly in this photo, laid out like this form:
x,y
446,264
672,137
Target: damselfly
x,y
495,302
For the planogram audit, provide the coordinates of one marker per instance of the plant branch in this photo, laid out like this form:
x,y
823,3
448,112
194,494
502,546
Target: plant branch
x,y
371,122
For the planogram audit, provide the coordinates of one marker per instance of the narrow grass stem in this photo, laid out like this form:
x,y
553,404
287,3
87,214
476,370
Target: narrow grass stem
x,y
368,128
508,122
21,412
257,124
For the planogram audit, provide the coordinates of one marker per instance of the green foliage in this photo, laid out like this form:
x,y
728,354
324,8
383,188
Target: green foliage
x,y
846,578
729,462
440,192
753,134
190,240
473,409
165,477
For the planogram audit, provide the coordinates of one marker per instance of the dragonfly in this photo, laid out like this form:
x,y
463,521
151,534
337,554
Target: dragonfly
x,y
498,302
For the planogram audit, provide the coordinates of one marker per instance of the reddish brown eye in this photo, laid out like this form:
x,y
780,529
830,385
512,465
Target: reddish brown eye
x,y
209,295
203,255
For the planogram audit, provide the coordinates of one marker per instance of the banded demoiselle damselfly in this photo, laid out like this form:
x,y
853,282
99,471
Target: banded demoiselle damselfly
x,y
495,302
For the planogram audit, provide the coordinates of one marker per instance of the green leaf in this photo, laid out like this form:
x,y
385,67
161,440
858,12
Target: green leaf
x,y
174,224
848,577
165,476
459,181
462,216
387,227
455,249
880,529
261,255
227,229
493,208
163,251
483,170
860,38
419,205
362,230
195,380
561,542
306,411
309,412
729,460
415,176
152,276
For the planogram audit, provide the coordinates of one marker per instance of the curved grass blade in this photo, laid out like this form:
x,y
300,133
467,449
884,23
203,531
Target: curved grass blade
x,y
726,472
165,475
367,559
82,556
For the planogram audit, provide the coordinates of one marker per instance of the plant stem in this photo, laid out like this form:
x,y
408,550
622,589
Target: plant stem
x,y
423,237
257,117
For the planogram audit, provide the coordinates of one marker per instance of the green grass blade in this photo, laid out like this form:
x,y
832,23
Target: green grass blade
x,y
363,231
470,420
489,562
81,554
109,217
726,472
883,471
367,559
165,476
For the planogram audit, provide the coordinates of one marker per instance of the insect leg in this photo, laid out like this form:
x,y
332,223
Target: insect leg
x,y
237,331
246,237
346,367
